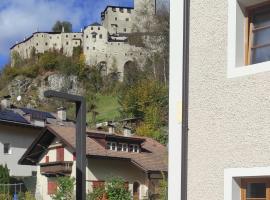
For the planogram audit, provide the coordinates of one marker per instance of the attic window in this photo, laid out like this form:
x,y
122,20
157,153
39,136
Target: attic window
x,y
112,146
121,10
114,9
134,148
122,147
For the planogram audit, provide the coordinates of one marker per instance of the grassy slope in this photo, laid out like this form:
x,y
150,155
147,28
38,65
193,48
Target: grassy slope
x,y
107,107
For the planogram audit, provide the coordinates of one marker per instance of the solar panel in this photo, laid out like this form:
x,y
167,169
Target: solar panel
x,y
9,115
36,114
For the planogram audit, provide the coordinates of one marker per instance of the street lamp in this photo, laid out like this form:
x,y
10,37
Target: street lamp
x,y
80,138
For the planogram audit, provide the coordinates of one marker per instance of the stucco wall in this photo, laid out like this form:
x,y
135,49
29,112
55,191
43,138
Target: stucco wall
x,y
229,118
20,139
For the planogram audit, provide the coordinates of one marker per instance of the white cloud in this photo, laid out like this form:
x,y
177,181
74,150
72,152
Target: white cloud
x,y
19,18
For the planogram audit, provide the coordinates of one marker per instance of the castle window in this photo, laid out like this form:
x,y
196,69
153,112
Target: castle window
x,y
125,30
92,28
115,18
86,36
74,35
114,9
66,36
127,19
36,44
98,28
129,10
121,10
100,36
94,36
87,48
94,48
76,43
50,37
66,43
46,43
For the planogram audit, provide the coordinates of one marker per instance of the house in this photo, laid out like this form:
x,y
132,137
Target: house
x,y
18,129
229,105
140,161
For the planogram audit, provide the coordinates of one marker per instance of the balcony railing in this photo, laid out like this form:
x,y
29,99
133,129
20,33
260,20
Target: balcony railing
x,y
56,168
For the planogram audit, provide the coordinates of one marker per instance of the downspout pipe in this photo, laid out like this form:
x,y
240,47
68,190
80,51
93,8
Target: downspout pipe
x,y
185,99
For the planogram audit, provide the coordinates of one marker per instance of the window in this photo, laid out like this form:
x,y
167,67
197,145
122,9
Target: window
x,y
115,18
74,36
94,48
112,146
100,36
7,148
36,44
258,31
134,148
92,28
127,19
50,37
66,36
52,187
123,147
255,188
66,43
86,36
87,48
94,36
114,9
121,10
60,154
125,30
99,28
46,43
98,184
129,10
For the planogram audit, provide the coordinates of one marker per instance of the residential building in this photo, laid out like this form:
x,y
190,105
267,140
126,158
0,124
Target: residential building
x,y
228,131
140,161
105,43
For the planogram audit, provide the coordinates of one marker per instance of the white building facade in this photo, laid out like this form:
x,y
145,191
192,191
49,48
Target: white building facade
x,y
228,151
105,43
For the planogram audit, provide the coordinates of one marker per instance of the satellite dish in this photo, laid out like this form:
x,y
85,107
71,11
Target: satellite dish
x,y
19,98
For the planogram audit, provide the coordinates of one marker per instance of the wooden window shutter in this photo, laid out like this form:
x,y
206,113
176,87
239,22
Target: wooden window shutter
x,y
52,187
98,184
60,154
47,159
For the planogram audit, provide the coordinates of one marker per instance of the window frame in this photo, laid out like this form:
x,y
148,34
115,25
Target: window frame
x,y
249,31
9,149
245,181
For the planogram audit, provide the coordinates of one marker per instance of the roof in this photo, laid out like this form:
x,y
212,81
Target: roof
x,y
11,116
36,114
152,159
124,7
95,24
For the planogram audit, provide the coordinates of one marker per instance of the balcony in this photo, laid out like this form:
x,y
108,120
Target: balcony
x,y
56,168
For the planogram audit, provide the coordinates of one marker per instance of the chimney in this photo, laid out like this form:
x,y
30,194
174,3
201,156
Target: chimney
x,y
127,131
111,128
62,114
5,103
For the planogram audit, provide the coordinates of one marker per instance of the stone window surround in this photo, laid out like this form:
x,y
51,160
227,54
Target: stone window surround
x,y
236,41
232,178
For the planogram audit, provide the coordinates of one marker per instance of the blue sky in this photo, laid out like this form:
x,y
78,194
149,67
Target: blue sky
x,y
20,18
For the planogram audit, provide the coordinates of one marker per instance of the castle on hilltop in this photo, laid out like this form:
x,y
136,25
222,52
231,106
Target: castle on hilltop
x,y
103,43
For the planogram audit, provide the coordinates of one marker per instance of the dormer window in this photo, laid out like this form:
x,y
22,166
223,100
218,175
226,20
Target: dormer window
x,y
112,146
134,148
114,9
123,147
121,10
129,10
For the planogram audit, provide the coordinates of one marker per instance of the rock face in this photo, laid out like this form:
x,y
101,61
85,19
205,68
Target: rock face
x,y
58,82
32,90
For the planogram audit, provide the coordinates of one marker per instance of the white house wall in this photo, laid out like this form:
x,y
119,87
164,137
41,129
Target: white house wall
x,y
20,139
228,117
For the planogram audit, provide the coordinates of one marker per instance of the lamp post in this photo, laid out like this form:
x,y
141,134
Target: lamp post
x,y
80,138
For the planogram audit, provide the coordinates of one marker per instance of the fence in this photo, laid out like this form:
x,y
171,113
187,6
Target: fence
x,y
11,188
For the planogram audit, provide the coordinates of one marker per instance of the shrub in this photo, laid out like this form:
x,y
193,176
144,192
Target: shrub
x,y
26,196
65,189
116,189
97,194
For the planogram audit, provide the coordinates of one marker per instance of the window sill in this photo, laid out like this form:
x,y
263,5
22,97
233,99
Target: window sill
x,y
248,70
